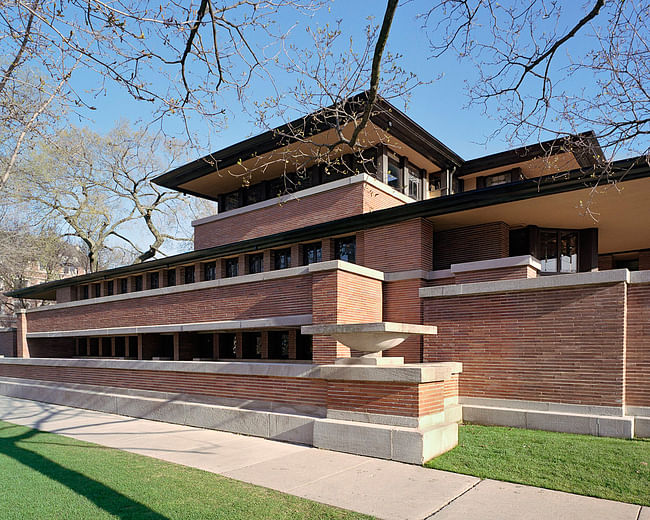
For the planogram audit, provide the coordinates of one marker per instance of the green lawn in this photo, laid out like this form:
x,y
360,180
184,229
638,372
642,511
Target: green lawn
x,y
617,469
49,476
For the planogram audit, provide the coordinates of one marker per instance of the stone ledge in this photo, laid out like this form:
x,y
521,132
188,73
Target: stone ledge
x,y
527,284
597,425
240,368
496,263
420,373
296,320
545,406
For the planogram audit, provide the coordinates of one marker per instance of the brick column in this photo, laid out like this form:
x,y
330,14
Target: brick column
x,y
112,346
242,269
215,345
327,249
296,259
266,262
177,346
140,340
22,348
292,343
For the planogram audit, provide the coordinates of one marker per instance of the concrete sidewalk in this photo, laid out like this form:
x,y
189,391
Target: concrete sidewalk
x,y
385,489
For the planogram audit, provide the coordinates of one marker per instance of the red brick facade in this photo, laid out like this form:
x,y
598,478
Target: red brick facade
x,y
564,345
637,375
471,244
8,343
346,201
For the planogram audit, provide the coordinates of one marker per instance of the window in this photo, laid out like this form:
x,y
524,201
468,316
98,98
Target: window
x,y
97,290
312,253
558,251
230,201
414,184
189,274
255,263
345,248
137,282
124,286
154,281
282,258
252,345
232,267
495,180
210,271
84,292
227,345
171,277
279,344
393,174
255,193
110,288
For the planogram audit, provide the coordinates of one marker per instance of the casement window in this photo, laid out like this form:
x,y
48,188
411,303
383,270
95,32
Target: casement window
x,y
496,179
124,285
227,345
278,344
414,183
345,249
189,274
394,174
97,290
312,253
137,283
231,267
282,258
210,271
154,280
252,345
84,292
255,263
558,250
171,277
255,193
110,288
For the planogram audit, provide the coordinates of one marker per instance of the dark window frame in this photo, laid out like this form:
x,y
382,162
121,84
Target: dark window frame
x,y
154,280
346,241
170,275
231,267
138,283
255,263
282,258
189,274
307,249
210,271
110,288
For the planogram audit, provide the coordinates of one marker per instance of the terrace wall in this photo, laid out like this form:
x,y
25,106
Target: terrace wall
x,y
8,342
470,244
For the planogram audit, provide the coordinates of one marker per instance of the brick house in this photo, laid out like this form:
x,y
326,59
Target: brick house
x,y
547,309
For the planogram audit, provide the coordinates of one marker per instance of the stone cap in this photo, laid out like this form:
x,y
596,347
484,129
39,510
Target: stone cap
x,y
380,326
410,373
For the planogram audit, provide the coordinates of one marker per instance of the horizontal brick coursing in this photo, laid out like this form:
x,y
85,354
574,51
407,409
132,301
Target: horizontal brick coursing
x,y
564,345
254,300
638,346
402,304
471,244
346,201
502,273
277,389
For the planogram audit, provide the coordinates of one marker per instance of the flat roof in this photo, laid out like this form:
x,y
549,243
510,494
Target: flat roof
x,y
621,171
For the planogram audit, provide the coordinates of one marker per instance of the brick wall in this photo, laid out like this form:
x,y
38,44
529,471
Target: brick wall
x,y
470,244
638,346
502,273
398,247
253,300
561,345
8,343
352,199
292,390
402,305
342,297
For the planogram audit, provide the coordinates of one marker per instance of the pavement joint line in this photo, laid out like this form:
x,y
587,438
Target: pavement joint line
x,y
432,515
638,515
331,475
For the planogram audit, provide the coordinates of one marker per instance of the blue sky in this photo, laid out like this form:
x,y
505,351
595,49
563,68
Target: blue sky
x,y
440,107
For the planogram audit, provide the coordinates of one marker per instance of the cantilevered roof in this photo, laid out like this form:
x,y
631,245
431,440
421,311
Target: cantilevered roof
x,y
445,212
386,119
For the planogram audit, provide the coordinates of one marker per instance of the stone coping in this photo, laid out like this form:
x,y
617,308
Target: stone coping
x,y
410,373
496,263
528,284
330,265
207,326
7,329
359,328
362,177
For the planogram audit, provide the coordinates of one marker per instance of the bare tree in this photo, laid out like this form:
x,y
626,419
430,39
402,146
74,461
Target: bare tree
x,y
144,48
549,68
97,188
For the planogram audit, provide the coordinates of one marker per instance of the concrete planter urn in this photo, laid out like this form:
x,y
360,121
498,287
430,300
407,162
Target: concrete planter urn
x,y
371,339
